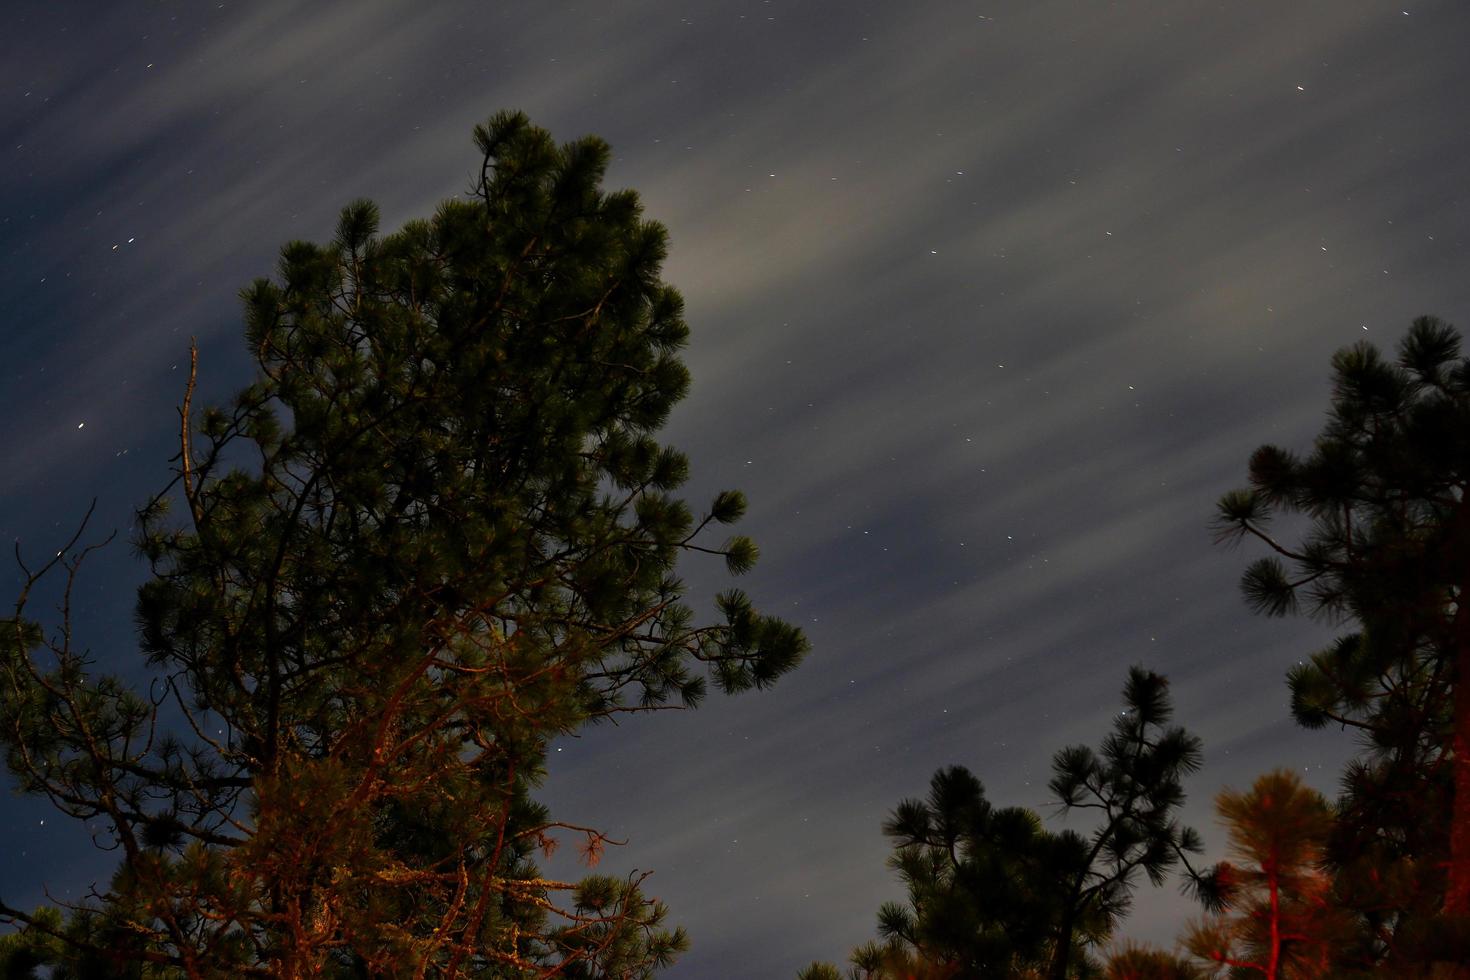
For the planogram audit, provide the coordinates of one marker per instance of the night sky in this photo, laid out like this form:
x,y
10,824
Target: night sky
x,y
990,302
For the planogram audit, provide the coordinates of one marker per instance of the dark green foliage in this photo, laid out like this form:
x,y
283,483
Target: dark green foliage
x,y
50,948
820,971
1134,786
971,873
435,533
1387,551
992,892
25,953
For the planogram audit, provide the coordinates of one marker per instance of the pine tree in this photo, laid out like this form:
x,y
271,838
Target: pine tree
x,y
1134,785
992,892
971,871
1387,551
886,961
1279,920
434,534
1136,962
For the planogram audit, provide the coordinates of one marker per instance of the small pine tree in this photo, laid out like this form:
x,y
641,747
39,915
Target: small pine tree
x,y
1279,920
1135,787
991,892
1131,961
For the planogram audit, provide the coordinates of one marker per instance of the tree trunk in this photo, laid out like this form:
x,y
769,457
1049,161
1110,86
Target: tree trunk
x,y
1457,878
1273,874
1061,956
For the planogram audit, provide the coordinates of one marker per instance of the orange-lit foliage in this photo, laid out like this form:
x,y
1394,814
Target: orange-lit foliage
x,y
1278,918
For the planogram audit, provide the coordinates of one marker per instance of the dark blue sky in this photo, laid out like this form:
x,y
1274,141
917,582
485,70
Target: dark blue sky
x,y
990,302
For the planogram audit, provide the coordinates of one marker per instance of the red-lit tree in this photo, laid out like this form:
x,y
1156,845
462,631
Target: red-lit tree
x,y
1278,918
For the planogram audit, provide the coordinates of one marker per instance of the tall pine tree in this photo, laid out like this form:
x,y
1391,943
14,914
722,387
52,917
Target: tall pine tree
x,y
435,533
1387,551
